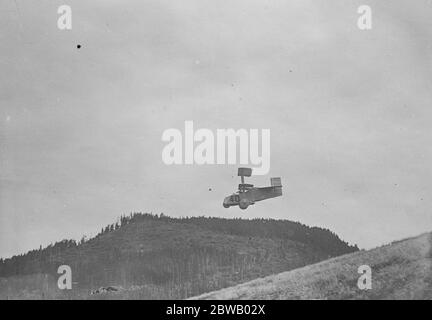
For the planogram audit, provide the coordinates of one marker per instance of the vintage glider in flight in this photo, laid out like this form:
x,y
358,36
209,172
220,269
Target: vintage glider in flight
x,y
248,194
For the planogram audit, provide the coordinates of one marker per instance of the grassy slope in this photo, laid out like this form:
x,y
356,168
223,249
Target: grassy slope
x,y
401,270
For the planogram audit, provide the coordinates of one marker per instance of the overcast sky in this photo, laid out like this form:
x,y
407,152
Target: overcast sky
x,y
349,111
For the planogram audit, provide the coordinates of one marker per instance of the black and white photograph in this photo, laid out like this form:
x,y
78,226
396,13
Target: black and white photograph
x,y
244,150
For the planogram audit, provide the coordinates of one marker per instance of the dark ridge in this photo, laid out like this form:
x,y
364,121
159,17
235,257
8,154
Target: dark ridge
x,y
156,256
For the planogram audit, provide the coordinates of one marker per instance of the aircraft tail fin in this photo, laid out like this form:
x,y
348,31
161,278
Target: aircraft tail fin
x,y
276,182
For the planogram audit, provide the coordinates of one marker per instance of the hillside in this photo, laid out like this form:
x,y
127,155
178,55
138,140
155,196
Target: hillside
x,y
157,257
401,270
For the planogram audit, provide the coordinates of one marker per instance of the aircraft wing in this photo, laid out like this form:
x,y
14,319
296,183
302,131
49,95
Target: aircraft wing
x,y
266,192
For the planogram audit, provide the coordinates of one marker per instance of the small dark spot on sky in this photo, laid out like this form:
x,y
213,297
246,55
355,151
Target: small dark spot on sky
x,y
78,46
210,189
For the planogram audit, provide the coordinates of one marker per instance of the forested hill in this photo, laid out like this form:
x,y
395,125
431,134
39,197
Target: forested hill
x,y
156,256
